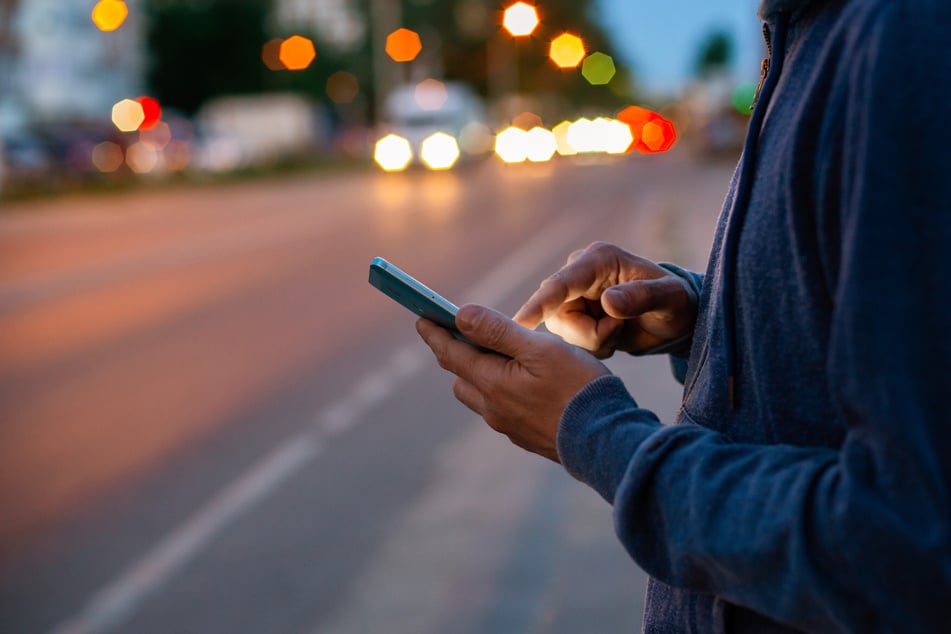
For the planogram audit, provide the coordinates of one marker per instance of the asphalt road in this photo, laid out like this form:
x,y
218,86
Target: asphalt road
x,y
210,422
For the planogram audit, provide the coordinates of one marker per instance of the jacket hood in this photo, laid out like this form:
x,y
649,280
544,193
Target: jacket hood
x,y
769,9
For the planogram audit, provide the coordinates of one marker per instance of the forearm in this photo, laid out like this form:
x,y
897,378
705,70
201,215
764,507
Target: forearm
x,y
803,535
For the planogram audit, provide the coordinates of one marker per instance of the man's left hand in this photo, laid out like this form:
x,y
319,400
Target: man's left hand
x,y
520,392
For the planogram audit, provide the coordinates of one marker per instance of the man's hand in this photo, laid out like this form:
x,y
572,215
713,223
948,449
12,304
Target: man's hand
x,y
521,394
607,299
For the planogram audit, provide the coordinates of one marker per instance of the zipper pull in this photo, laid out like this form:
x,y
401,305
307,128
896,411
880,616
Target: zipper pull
x,y
764,66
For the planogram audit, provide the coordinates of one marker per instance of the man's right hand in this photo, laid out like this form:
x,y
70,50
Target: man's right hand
x,y
606,299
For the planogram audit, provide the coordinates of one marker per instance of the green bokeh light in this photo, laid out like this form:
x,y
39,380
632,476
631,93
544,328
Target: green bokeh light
x,y
743,96
598,69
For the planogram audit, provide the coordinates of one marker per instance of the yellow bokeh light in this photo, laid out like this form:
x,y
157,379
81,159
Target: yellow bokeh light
x,y
511,144
108,15
393,153
342,87
567,50
430,94
439,151
520,19
561,139
297,52
403,45
128,115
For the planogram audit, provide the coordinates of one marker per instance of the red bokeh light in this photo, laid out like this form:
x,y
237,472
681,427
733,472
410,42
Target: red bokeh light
x,y
152,111
651,132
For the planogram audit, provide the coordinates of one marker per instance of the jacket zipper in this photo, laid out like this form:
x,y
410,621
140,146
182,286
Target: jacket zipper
x,y
764,66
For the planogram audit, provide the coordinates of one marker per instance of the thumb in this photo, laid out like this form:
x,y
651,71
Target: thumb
x,y
637,297
493,330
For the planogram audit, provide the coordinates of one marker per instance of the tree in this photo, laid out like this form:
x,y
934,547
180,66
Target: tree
x,y
716,54
199,49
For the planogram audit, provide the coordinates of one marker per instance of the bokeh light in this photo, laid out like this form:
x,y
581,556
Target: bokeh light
x,y
297,52
527,120
158,136
561,139
439,151
271,54
107,157
743,96
430,94
151,111
476,138
403,45
598,68
520,19
141,158
393,153
342,87
511,145
660,133
108,15
541,145
601,135
567,50
128,115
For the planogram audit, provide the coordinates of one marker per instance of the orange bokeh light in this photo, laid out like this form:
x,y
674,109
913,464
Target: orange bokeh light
x,y
297,52
527,121
567,50
108,15
271,54
651,132
403,45
342,87
520,19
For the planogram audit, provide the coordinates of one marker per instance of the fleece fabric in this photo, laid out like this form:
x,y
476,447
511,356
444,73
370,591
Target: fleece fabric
x,y
812,491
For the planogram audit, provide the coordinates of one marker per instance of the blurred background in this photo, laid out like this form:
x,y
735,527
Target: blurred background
x,y
209,421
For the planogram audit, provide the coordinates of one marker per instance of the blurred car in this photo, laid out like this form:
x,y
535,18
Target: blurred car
x,y
433,112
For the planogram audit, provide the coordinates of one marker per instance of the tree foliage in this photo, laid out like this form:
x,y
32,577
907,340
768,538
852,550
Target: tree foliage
x,y
200,49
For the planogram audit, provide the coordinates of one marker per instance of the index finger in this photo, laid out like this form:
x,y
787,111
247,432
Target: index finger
x,y
574,280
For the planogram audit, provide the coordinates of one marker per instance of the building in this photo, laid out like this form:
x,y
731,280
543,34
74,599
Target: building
x,y
57,66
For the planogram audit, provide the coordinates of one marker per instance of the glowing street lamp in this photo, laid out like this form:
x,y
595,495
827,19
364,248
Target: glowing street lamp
x,y
520,19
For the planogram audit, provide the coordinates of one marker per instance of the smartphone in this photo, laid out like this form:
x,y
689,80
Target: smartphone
x,y
415,295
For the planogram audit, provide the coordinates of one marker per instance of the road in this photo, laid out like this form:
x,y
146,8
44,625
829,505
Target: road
x,y
210,422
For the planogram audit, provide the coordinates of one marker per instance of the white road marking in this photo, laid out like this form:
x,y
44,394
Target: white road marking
x,y
116,602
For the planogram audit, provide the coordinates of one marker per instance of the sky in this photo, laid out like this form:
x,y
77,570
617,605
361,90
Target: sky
x,y
660,39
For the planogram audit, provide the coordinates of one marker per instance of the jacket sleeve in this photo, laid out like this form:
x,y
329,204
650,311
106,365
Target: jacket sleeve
x,y
857,538
679,350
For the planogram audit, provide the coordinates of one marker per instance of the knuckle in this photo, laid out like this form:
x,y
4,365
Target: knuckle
x,y
495,331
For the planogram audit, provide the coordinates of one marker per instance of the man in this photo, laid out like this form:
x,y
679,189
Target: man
x,y
807,483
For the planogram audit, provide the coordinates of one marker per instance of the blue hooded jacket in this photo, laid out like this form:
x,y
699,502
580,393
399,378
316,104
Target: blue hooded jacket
x,y
806,484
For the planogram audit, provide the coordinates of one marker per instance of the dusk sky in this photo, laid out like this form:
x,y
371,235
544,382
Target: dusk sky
x,y
660,39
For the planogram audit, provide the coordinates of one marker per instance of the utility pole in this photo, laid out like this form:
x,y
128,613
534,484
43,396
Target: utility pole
x,y
385,17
